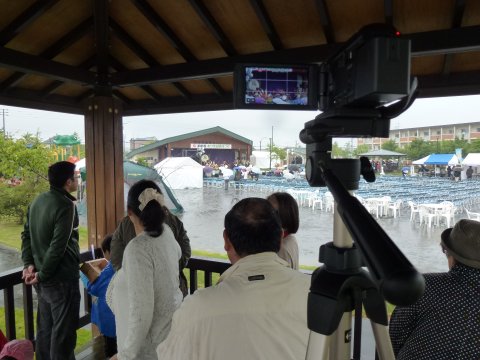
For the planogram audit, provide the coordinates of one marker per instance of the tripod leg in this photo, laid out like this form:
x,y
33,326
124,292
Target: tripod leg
x,y
318,346
382,341
341,339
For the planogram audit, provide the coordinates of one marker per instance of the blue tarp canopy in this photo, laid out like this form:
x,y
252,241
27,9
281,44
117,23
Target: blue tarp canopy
x,y
442,159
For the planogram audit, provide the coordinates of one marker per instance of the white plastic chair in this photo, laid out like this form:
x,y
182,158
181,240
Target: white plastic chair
x,y
395,207
427,217
329,203
413,210
472,215
448,214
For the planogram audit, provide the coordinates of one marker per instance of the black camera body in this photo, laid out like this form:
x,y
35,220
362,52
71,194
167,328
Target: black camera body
x,y
371,70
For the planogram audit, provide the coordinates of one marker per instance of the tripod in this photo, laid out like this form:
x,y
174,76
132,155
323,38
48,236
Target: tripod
x,y
341,285
338,288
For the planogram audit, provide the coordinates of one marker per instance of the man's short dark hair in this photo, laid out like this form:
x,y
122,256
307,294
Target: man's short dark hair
x,y
60,172
253,226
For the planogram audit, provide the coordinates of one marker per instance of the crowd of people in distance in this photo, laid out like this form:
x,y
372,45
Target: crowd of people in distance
x,y
258,308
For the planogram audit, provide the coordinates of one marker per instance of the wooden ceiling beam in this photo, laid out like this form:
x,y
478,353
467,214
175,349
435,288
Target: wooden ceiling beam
x,y
141,52
216,87
324,15
158,23
101,32
118,66
466,83
73,36
49,89
448,41
33,100
180,105
388,11
213,26
68,40
267,24
457,17
426,43
18,61
132,44
24,19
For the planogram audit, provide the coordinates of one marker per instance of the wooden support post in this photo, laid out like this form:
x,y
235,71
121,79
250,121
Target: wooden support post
x,y
104,154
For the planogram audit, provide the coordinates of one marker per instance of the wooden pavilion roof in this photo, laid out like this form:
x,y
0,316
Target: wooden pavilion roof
x,y
178,55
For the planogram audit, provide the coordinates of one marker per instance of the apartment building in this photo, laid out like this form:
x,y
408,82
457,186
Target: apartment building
x,y
467,131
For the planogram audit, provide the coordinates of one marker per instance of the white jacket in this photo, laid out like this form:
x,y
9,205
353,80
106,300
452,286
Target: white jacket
x,y
258,310
144,294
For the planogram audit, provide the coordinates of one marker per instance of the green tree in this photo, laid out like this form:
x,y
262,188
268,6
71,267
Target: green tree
x,y
280,154
24,164
390,145
472,147
361,149
142,161
419,148
340,152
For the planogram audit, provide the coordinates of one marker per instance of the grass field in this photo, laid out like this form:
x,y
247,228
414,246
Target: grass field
x,y
83,336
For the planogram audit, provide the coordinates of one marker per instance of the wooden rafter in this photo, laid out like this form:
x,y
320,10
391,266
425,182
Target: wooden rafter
x,y
267,24
66,41
325,20
213,26
458,12
161,26
388,11
101,38
18,61
24,19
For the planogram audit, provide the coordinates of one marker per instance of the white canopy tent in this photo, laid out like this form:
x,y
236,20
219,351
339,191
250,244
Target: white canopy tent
x,y
181,173
472,159
421,161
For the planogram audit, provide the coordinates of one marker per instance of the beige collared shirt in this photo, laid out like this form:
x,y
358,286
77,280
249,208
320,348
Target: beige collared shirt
x,y
258,310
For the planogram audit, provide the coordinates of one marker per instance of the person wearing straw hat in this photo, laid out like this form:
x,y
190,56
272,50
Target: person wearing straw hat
x,y
445,322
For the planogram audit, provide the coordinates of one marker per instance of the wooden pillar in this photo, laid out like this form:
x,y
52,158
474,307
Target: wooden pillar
x,y
104,155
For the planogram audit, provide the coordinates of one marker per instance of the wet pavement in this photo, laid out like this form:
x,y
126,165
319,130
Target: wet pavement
x,y
203,219
205,209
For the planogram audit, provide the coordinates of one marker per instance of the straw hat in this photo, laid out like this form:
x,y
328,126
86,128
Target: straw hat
x,y
463,242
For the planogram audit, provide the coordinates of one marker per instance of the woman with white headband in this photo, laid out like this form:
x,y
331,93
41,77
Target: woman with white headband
x,y
145,292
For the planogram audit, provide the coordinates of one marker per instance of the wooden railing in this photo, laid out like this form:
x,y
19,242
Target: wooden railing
x,y
11,279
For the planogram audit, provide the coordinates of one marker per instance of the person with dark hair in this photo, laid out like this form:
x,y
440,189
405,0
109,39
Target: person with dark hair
x,y
145,292
444,323
287,208
257,310
469,172
126,232
50,254
101,314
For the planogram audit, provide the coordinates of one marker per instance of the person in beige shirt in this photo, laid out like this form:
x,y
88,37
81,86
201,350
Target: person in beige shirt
x,y
258,309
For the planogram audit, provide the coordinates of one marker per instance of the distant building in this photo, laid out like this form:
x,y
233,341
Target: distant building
x,y
216,144
466,131
139,142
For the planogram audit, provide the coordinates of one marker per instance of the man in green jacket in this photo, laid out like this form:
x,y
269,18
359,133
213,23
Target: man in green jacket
x,y
50,254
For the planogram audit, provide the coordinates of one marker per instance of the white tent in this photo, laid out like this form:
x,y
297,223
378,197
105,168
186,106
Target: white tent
x,y
181,173
421,161
472,159
260,159
80,164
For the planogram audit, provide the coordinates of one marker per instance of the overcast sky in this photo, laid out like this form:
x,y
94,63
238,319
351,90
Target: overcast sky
x,y
255,125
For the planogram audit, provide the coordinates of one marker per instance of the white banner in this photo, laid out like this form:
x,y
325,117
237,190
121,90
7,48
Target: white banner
x,y
210,146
